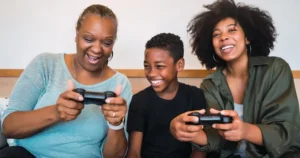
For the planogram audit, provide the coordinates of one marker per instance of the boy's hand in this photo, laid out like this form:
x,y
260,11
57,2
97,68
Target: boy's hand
x,y
183,132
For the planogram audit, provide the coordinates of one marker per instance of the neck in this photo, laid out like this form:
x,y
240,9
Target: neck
x,y
170,92
238,68
79,71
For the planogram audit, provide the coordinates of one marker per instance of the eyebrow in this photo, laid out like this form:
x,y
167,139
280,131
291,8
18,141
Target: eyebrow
x,y
156,62
235,24
105,38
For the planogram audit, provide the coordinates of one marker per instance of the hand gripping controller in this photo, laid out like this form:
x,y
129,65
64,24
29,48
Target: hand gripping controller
x,y
97,98
209,119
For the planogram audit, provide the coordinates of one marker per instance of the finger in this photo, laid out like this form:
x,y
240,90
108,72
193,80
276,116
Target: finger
x,y
214,111
116,101
70,95
222,126
70,85
72,112
187,135
202,111
185,119
109,107
193,128
118,90
113,114
231,113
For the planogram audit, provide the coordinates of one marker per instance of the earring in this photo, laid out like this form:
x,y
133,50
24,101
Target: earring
x,y
248,47
214,58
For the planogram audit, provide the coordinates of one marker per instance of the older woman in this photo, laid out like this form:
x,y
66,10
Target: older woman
x,y
48,119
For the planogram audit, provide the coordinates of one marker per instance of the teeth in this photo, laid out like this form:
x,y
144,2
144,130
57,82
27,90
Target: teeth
x,y
226,47
156,81
92,58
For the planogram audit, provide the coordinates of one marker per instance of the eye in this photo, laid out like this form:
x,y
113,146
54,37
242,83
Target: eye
x,y
108,43
232,30
87,39
216,34
146,66
160,66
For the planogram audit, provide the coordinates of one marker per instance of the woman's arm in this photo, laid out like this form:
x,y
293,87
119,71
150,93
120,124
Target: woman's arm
x,y
115,111
31,122
280,119
18,120
21,124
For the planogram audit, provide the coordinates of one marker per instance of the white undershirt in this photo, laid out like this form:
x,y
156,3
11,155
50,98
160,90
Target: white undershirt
x,y
241,148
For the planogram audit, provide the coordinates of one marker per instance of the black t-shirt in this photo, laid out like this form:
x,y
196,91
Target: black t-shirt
x,y
152,115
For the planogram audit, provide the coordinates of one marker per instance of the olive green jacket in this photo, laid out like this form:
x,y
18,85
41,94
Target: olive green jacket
x,y
270,102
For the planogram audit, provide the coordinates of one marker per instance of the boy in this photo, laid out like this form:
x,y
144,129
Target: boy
x,y
152,109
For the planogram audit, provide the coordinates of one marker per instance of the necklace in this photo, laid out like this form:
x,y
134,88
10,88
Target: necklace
x,y
74,69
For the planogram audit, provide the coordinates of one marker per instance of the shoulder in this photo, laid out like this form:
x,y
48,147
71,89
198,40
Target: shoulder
x,y
139,99
120,78
47,57
277,62
143,94
191,88
270,61
42,63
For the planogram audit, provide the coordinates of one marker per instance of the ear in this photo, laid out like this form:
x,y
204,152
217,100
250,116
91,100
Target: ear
x,y
180,65
247,41
76,36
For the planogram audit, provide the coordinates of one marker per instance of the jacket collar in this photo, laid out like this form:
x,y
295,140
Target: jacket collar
x,y
253,62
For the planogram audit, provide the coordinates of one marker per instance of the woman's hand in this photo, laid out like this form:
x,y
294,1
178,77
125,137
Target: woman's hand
x,y
69,105
115,108
235,131
183,132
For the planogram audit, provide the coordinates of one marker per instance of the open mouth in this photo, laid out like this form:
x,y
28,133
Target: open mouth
x,y
93,59
156,82
227,48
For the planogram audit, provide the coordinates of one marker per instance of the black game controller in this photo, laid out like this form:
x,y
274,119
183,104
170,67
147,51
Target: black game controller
x,y
97,98
209,119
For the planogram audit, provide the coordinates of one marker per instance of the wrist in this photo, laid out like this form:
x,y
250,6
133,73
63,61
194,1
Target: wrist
x,y
54,113
116,126
200,139
248,129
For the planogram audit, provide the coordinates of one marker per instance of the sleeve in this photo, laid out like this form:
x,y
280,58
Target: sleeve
x,y
135,115
198,99
215,141
280,112
28,88
127,95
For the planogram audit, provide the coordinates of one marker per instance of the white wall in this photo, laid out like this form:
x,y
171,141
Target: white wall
x,y
29,27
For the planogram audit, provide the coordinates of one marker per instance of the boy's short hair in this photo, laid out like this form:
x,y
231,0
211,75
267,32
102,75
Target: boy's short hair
x,y
169,42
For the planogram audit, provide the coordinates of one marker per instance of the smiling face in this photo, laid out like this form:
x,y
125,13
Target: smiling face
x,y
161,71
94,41
229,40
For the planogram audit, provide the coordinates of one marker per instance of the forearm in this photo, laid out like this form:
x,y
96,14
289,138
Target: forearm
x,y
133,154
115,144
23,124
198,154
254,134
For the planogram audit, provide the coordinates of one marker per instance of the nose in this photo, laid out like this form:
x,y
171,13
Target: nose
x,y
96,47
224,37
152,72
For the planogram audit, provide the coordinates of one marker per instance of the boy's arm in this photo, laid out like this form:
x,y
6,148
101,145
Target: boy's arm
x,y
198,154
135,144
135,126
